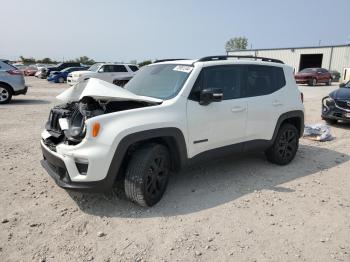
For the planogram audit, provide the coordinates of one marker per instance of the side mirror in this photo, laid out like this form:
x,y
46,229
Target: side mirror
x,y
210,95
342,85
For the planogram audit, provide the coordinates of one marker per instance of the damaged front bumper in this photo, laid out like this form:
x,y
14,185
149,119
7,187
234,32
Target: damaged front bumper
x,y
332,109
70,173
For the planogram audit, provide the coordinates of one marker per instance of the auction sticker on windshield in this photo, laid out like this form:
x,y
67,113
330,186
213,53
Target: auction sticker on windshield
x,y
183,68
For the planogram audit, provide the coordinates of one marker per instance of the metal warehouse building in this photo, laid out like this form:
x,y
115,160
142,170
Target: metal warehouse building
x,y
335,57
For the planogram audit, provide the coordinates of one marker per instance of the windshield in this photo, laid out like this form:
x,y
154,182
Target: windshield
x,y
94,67
162,81
308,70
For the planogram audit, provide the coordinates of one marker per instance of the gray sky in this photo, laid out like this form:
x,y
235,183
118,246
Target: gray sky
x,y
108,30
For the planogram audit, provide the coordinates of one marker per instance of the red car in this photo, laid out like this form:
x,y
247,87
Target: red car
x,y
314,76
30,71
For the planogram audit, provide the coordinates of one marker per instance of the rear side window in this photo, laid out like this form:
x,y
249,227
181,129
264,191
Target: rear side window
x,y
133,68
119,68
263,80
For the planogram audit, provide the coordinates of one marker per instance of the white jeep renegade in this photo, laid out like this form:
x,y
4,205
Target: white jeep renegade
x,y
171,113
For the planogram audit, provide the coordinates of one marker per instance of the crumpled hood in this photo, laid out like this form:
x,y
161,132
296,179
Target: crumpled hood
x,y
103,90
341,94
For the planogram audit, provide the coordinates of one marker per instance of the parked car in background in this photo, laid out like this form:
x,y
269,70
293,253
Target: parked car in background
x,y
11,82
30,70
336,106
109,72
61,76
335,75
46,72
314,76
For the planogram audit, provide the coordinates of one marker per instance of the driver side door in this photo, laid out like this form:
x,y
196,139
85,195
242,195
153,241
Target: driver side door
x,y
217,124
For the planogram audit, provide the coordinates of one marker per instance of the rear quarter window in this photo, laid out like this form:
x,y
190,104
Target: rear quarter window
x,y
263,80
133,68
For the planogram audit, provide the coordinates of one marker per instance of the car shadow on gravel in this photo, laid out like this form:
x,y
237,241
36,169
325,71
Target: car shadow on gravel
x,y
215,183
28,102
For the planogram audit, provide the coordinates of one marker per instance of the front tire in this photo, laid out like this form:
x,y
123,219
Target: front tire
x,y
147,174
329,82
330,121
313,82
5,94
285,146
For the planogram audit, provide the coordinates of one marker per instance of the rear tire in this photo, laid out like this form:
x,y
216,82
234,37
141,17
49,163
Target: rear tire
x,y
60,80
285,146
5,94
147,174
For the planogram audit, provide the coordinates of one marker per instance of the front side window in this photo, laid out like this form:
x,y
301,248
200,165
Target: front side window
x,y
162,81
226,78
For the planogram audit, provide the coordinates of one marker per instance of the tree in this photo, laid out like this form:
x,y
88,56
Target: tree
x,y
46,60
85,60
146,62
27,61
236,43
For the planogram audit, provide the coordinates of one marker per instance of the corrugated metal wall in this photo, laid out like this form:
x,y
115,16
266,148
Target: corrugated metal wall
x,y
340,56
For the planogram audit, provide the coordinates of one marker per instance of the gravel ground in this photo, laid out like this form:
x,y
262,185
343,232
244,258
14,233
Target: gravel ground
x,y
235,209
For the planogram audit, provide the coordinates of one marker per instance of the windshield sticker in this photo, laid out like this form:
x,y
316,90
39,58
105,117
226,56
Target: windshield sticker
x,y
183,68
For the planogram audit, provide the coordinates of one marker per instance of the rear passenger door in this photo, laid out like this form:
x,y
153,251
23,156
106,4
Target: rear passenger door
x,y
220,123
265,94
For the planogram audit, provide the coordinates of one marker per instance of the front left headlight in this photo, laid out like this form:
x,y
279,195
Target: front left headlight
x,y
328,101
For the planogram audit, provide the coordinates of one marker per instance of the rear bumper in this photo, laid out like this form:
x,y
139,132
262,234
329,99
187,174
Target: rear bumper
x,y
21,92
56,168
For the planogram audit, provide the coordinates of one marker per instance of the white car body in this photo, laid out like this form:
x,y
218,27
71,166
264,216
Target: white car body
x,y
123,71
202,127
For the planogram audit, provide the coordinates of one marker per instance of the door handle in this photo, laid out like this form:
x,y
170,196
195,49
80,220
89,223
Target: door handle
x,y
237,109
277,103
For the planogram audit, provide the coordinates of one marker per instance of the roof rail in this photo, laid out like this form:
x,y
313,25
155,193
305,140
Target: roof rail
x,y
166,60
225,57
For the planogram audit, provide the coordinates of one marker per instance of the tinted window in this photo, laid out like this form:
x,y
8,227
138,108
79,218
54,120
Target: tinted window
x,y
106,68
133,68
263,80
119,68
227,78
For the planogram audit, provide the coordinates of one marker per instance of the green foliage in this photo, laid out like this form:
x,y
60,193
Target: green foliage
x,y
85,60
27,61
46,60
146,62
236,43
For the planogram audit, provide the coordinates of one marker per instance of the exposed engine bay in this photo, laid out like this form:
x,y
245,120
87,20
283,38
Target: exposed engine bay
x,y
66,123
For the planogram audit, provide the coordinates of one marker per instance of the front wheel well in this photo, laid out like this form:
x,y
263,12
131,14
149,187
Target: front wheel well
x,y
169,142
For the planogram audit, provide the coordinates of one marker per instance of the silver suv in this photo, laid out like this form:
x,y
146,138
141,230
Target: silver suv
x,y
11,82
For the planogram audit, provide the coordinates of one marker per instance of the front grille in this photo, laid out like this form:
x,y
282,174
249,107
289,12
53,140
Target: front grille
x,y
345,104
57,113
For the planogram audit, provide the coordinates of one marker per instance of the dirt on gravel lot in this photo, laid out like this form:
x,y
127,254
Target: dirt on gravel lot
x,y
234,209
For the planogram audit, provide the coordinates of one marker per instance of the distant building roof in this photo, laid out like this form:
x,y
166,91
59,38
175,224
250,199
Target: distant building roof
x,y
283,48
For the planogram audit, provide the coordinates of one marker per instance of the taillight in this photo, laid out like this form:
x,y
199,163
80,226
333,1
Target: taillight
x,y
302,97
14,72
